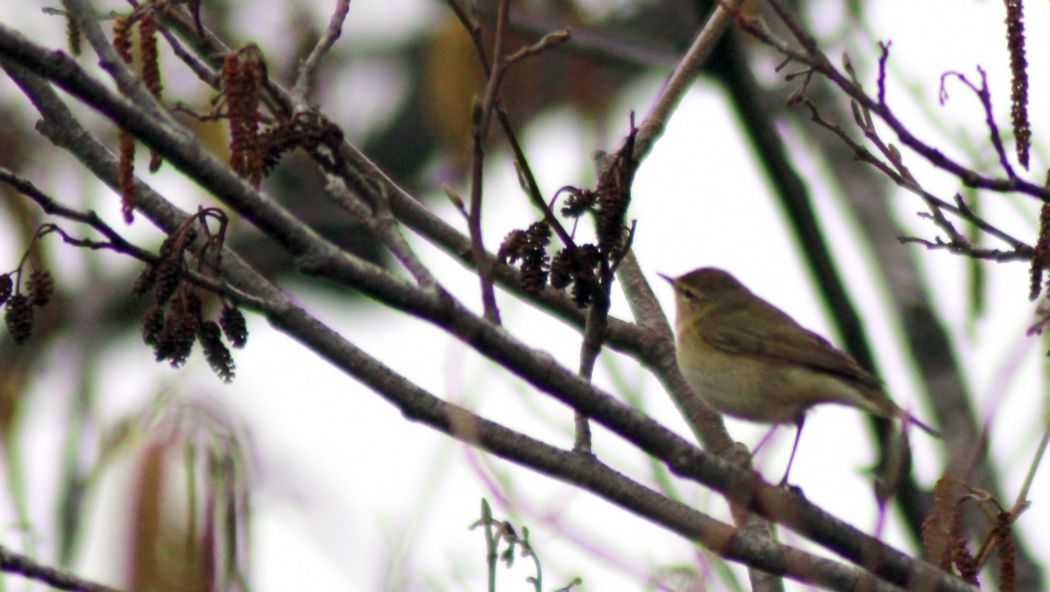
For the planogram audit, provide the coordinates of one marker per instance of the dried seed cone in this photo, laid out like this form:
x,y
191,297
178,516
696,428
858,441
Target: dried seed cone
x,y
164,345
167,280
19,318
150,57
6,285
583,292
122,37
215,350
153,326
535,260
533,275
41,287
233,326
181,333
73,36
579,202
561,269
242,74
146,280
611,219
513,246
126,172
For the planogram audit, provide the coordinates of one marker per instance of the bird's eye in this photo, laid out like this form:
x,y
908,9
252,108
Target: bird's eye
x,y
694,295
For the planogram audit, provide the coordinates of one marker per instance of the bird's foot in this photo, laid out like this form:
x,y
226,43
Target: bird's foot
x,y
792,488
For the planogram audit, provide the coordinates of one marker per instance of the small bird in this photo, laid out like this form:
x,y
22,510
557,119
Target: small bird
x,y
749,359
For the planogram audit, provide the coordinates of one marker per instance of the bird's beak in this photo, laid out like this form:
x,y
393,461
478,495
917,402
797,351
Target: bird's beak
x,y
669,279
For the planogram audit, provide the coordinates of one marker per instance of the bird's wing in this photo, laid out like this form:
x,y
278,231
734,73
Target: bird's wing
x,y
761,329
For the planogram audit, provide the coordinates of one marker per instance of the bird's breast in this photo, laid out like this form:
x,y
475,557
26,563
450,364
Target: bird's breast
x,y
739,385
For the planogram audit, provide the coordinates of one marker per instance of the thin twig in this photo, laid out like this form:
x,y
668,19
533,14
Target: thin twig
x,y
985,96
202,70
593,336
965,249
482,118
812,56
473,28
652,127
1022,495
863,114
900,175
50,206
116,242
608,45
17,563
307,69
382,223
548,41
531,185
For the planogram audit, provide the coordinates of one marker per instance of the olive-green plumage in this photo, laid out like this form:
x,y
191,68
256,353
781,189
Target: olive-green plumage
x,y
749,359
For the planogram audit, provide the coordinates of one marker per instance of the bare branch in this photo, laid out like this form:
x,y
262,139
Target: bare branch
x,y
548,41
381,222
17,563
116,242
900,175
652,127
304,80
812,56
985,96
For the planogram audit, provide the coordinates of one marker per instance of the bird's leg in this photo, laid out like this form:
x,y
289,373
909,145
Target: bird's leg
x,y
765,439
798,434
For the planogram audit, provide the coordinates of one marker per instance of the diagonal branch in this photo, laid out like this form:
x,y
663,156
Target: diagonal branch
x,y
307,69
652,127
17,563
